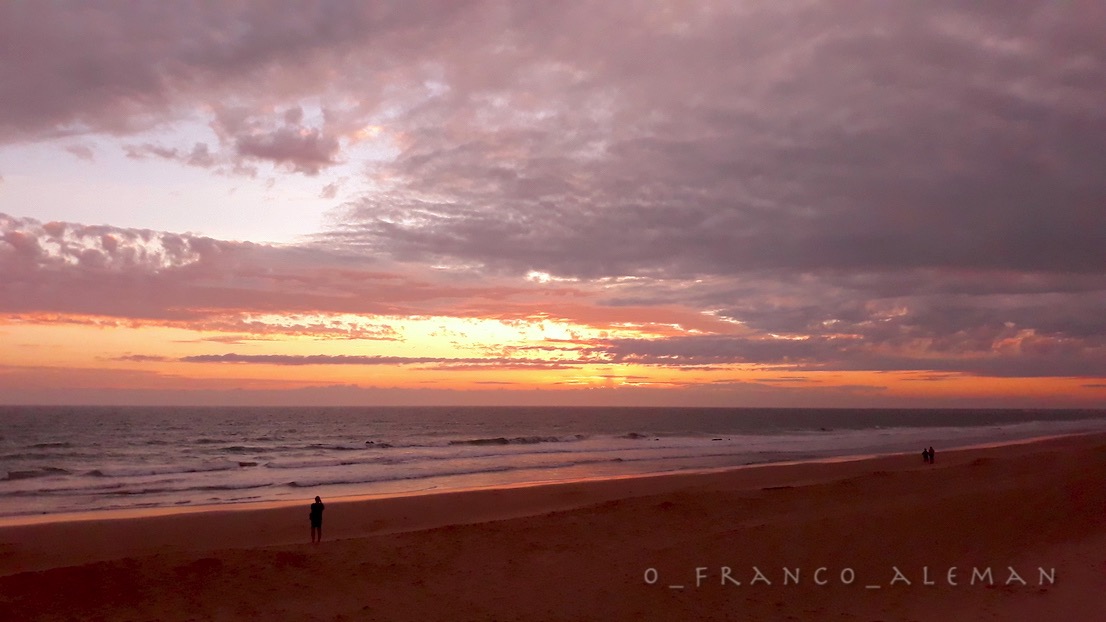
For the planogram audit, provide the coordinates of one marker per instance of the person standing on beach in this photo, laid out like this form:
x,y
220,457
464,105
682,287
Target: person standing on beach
x,y
931,455
316,517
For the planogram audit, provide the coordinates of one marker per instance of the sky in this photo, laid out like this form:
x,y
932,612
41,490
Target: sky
x,y
788,203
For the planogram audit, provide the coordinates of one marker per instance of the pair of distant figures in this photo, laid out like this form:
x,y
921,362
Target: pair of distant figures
x,y
927,455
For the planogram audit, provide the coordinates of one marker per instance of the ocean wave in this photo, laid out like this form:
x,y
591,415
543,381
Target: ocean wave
x,y
335,447
431,454
323,463
241,449
176,486
405,476
33,473
519,440
519,448
64,445
64,490
47,455
126,492
165,470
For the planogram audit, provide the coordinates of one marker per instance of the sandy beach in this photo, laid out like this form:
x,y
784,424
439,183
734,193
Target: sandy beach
x,y
1011,532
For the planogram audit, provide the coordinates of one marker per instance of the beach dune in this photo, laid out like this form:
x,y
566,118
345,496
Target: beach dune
x,y
1010,532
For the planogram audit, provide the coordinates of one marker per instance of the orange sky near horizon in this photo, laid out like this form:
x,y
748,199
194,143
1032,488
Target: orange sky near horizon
x,y
87,352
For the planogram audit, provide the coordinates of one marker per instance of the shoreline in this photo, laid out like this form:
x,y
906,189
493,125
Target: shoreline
x,y
133,513
587,550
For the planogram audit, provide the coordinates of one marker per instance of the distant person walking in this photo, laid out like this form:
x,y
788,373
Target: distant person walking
x,y
316,516
925,455
931,455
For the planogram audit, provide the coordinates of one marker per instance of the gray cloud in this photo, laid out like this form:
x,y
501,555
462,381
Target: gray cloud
x,y
330,190
70,67
142,358
304,150
200,155
282,139
1018,355
82,152
796,137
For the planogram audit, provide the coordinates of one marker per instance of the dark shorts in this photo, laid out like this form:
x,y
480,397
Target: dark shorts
x,y
317,523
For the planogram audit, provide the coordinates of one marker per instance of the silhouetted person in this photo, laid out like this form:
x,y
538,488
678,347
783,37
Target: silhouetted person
x,y
931,455
925,455
316,516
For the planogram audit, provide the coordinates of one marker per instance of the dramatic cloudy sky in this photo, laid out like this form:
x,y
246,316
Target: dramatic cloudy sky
x,y
861,203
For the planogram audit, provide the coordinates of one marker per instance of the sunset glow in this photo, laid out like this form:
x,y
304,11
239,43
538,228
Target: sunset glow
x,y
563,203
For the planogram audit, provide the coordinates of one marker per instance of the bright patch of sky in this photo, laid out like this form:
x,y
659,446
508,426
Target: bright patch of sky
x,y
96,179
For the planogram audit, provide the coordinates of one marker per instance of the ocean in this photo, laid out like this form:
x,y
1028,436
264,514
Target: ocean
x,y
58,460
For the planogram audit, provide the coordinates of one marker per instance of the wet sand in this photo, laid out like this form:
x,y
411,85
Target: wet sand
x,y
1019,529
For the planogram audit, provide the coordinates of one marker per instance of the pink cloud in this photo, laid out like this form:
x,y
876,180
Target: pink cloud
x,y
199,156
330,190
64,268
303,150
83,152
